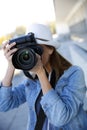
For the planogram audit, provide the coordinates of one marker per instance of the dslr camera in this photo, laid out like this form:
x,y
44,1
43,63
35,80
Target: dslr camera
x,y
25,57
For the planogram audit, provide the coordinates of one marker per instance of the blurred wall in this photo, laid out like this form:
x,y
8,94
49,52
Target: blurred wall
x,y
73,13
78,21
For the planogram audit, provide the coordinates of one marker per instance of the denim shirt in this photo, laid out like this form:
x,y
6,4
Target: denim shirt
x,y
63,106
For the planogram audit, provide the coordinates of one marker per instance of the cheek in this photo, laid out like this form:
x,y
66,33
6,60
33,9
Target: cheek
x,y
45,59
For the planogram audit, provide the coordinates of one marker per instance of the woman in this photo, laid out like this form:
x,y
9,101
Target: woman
x,y
55,97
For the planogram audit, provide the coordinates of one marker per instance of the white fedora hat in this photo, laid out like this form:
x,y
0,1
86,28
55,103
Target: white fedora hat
x,y
44,35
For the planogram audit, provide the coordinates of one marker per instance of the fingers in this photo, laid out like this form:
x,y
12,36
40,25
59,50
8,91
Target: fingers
x,y
4,44
9,53
8,49
38,56
38,65
11,45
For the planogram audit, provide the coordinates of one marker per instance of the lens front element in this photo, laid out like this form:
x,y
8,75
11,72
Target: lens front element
x,y
24,59
26,56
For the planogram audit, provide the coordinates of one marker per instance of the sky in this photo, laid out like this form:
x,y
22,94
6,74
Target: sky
x,y
15,13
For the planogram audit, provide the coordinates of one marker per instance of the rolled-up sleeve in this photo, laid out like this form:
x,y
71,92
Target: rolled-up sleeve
x,y
61,108
11,97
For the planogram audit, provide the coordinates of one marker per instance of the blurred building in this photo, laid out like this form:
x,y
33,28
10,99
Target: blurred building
x,y
72,13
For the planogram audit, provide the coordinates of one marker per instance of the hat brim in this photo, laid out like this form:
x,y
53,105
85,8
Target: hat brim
x,y
50,43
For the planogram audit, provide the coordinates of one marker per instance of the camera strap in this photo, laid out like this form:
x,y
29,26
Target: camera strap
x,y
27,74
41,116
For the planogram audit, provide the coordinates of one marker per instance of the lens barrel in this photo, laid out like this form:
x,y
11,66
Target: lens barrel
x,y
24,59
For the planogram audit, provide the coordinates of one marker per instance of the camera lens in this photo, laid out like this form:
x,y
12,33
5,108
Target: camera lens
x,y
24,59
26,56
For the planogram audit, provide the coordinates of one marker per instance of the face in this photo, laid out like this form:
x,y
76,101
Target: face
x,y
46,56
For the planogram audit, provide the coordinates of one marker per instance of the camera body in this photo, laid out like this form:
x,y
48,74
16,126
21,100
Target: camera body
x,y
25,57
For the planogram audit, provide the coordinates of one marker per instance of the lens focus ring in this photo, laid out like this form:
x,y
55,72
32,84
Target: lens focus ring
x,y
24,59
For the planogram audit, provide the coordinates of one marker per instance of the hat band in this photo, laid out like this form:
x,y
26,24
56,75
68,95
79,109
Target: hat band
x,y
42,39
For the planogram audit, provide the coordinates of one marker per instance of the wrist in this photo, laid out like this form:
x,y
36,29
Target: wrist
x,y
6,84
7,80
11,67
41,72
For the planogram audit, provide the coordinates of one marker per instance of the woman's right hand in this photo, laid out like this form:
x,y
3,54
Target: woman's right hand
x,y
8,52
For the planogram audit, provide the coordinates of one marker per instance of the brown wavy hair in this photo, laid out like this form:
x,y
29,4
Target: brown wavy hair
x,y
58,63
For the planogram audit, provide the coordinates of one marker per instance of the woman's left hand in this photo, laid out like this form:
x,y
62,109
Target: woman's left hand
x,y
38,67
